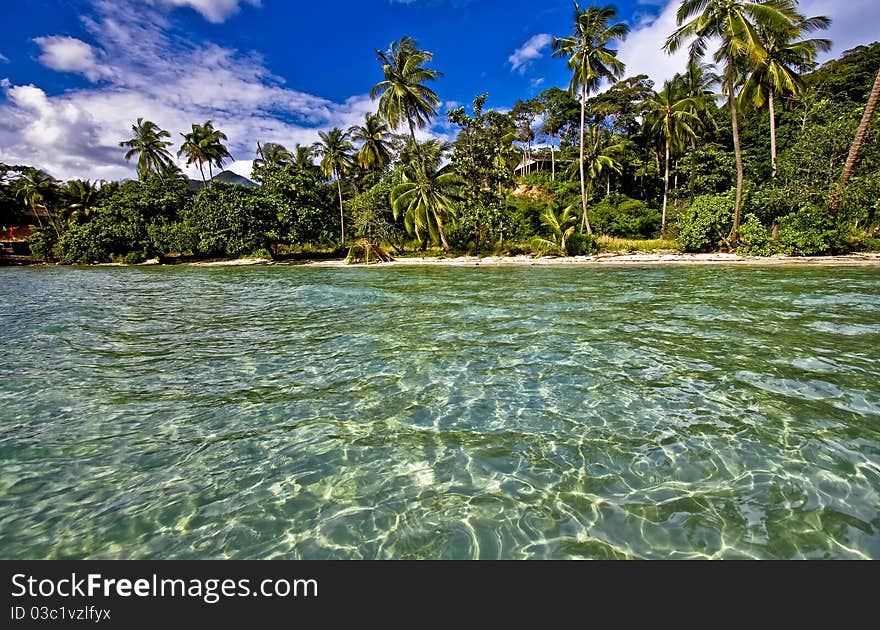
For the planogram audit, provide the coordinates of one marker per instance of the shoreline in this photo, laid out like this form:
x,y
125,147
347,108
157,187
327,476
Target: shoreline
x,y
601,260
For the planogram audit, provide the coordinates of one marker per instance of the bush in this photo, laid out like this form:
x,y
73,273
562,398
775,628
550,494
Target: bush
x,y
810,231
704,225
582,244
623,217
753,237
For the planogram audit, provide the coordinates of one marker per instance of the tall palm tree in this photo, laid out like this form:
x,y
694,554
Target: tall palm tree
x,y
403,95
856,147
778,72
696,84
591,60
427,195
733,24
335,149
272,154
35,188
672,119
375,152
151,148
196,149
303,159
216,150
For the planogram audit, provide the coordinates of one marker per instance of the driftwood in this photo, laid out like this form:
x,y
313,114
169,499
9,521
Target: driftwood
x,y
366,252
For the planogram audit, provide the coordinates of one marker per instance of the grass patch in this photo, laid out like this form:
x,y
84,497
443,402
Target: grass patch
x,y
612,244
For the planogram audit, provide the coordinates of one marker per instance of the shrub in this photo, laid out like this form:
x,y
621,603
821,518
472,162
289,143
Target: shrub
x,y
582,244
810,231
754,240
623,217
704,225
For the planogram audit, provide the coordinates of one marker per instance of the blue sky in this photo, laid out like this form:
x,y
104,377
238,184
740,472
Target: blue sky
x,y
76,74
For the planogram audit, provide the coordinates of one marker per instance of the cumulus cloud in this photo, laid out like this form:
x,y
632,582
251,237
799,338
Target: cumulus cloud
x,y
4,58
68,54
532,49
215,11
174,82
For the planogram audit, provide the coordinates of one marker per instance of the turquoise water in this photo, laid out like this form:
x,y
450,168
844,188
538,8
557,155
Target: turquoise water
x,y
538,412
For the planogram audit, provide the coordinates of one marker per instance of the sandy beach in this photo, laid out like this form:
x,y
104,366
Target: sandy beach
x,y
598,260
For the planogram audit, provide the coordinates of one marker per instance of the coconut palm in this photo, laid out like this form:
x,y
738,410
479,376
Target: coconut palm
x,y
696,84
204,145
403,95
733,25
216,150
427,196
336,150
303,159
375,152
591,60
778,72
856,147
272,155
151,148
560,227
598,159
35,188
672,120
81,198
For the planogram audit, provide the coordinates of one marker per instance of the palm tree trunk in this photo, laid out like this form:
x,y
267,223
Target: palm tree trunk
x,y
737,150
202,171
341,212
772,105
665,190
856,147
552,160
693,166
585,221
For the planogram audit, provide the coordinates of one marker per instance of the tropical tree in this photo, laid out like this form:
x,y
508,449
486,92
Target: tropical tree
x,y
560,228
778,72
696,84
591,60
272,155
857,144
672,120
598,159
303,159
554,104
216,150
204,145
81,198
335,150
403,95
375,152
427,196
733,25
35,188
150,146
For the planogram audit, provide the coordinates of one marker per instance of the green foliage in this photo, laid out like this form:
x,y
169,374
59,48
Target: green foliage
x,y
623,217
231,220
705,224
582,244
753,238
372,214
810,231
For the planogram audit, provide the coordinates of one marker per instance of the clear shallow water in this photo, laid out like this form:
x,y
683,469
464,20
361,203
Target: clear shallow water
x,y
536,412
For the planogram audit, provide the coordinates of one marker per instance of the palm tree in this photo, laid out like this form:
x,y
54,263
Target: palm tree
x,y
778,72
590,60
335,149
149,145
427,195
35,188
856,147
560,226
696,84
303,159
216,150
672,119
82,198
271,155
733,23
403,95
375,153
204,145
597,159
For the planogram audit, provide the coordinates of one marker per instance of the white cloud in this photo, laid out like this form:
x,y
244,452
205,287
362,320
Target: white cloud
x,y
68,54
536,82
532,49
215,11
4,58
643,49
171,81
